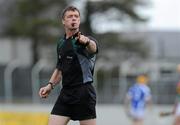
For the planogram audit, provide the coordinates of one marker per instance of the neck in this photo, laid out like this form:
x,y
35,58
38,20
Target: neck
x,y
70,33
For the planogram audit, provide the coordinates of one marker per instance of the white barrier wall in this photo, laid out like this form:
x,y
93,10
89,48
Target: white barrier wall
x,y
15,50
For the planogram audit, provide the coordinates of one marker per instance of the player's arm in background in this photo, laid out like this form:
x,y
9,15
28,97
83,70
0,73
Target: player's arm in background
x,y
169,113
55,79
149,101
127,101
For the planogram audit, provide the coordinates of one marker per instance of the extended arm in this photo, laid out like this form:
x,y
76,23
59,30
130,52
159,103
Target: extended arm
x,y
90,44
91,47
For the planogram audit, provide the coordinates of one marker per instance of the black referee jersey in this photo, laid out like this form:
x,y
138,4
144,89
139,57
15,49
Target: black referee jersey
x,y
76,64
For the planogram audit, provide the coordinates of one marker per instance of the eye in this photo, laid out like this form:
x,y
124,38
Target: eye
x,y
77,16
69,16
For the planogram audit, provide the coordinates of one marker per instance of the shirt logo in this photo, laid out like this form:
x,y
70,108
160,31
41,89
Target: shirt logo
x,y
69,57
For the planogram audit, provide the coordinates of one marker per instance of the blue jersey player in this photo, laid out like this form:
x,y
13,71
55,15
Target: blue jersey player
x,y
137,97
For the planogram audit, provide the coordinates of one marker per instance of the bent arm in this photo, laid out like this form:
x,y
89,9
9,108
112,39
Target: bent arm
x,y
55,78
127,102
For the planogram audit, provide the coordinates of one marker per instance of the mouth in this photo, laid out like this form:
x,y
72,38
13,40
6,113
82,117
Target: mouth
x,y
73,24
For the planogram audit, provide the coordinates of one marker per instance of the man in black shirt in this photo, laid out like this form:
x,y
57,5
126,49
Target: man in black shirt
x,y
75,66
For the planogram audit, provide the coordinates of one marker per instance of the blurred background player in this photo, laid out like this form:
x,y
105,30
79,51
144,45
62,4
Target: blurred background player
x,y
137,97
176,109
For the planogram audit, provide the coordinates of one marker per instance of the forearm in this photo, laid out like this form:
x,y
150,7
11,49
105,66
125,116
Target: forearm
x,y
56,77
126,103
91,47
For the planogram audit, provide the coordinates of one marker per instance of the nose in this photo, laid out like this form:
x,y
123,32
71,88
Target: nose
x,y
74,18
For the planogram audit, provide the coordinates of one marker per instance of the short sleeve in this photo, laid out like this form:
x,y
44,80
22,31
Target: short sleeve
x,y
59,59
130,92
147,94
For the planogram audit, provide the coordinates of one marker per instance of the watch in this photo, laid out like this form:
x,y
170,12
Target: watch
x,y
52,85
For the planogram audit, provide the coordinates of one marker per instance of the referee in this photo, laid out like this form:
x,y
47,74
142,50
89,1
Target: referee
x,y
76,55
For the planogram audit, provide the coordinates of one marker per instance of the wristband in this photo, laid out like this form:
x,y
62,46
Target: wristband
x,y
52,85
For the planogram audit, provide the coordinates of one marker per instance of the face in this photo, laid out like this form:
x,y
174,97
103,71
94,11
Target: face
x,y
71,20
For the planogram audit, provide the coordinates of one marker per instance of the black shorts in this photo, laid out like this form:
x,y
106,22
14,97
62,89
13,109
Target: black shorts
x,y
78,103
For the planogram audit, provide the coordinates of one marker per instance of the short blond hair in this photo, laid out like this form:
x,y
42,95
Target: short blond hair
x,y
142,79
